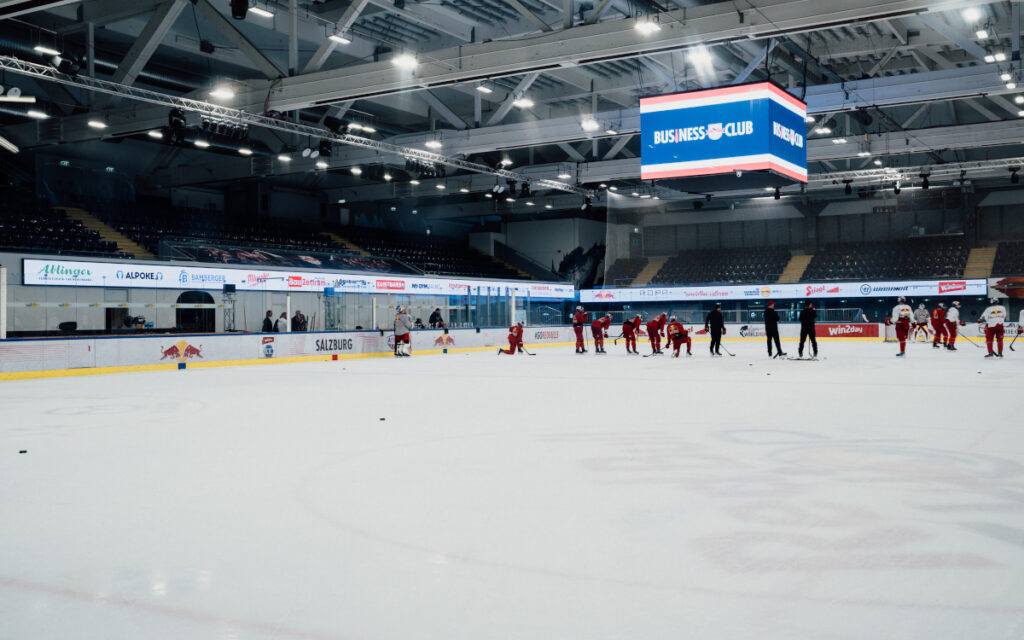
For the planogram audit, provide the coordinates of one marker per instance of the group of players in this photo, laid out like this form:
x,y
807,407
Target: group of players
x,y
945,323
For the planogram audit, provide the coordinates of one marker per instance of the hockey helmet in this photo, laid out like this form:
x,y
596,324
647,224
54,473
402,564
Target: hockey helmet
x,y
520,323
902,299
399,308
956,303
994,301
920,306
942,306
579,307
673,318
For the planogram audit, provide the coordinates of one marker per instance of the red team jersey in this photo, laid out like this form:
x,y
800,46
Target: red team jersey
x,y
939,315
601,324
675,329
579,318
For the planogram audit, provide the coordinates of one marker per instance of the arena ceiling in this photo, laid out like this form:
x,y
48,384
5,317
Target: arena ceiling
x,y
895,87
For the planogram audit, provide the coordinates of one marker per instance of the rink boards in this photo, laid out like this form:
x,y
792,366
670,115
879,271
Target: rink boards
x,y
54,357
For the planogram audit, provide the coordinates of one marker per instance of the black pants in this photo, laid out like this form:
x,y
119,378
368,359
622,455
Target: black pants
x,y
773,334
716,341
807,332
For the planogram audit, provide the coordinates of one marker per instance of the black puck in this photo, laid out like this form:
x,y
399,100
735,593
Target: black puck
x,y
382,419
23,451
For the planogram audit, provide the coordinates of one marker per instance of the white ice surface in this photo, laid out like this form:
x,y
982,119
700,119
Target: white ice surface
x,y
548,497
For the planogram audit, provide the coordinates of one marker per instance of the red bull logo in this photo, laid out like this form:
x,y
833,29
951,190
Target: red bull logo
x,y
181,351
444,340
608,296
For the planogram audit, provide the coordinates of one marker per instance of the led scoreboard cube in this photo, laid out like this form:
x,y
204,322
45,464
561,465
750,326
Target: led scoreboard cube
x,y
750,127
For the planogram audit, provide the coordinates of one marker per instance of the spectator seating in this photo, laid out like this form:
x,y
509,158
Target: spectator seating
x,y
430,254
624,271
926,257
1009,259
155,224
30,226
724,266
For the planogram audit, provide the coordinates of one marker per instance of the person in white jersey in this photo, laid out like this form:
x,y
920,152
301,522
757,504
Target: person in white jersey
x,y
901,316
952,322
994,317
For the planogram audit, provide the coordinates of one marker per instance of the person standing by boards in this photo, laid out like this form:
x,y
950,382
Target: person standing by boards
x,y
939,325
953,321
599,329
994,317
629,330
578,320
771,330
714,323
807,319
403,327
901,316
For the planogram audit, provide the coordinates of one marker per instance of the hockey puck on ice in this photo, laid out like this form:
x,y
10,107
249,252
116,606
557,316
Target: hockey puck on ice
x,y
382,419
26,450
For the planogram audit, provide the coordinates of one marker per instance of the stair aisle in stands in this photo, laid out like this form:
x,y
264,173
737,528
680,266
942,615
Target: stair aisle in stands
x,y
124,244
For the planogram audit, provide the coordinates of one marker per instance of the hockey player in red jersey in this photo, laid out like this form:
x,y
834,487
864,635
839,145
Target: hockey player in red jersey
x,y
654,328
629,330
994,317
939,325
515,340
953,322
578,320
901,315
677,336
599,329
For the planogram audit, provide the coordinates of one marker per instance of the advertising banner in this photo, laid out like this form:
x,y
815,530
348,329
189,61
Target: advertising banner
x,y
915,288
132,274
749,127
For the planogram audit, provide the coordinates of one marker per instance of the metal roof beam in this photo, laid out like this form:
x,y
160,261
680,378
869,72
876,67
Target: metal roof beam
x,y
586,44
443,110
260,61
145,45
530,16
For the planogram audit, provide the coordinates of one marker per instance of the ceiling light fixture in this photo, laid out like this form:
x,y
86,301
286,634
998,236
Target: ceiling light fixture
x,y
7,144
244,151
284,157
548,206
222,93
838,140
823,130
440,187
878,163
1000,56
46,51
356,171
611,132
202,144
1005,77
463,190
414,182
321,164
506,161
38,115
1019,99
261,12
981,33
156,134
433,144
647,26
97,124
589,124
809,119
522,102
387,177
339,38
484,88
971,14
405,61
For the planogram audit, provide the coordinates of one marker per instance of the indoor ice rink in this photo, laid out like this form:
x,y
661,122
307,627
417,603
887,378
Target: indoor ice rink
x,y
555,496
317,320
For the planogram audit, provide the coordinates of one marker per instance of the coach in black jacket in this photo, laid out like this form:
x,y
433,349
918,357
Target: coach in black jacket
x,y
807,319
771,329
715,325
